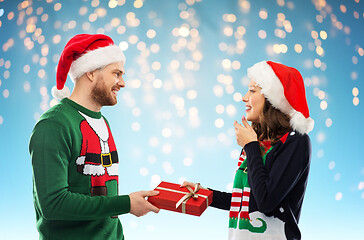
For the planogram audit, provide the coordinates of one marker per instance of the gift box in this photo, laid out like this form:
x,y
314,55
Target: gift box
x,y
181,199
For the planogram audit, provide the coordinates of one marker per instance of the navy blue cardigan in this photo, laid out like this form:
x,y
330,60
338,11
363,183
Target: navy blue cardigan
x,y
279,184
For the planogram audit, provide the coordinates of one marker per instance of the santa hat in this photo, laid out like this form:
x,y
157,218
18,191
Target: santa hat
x,y
84,53
284,88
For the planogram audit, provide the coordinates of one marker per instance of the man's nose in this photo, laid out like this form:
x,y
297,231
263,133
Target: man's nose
x,y
121,83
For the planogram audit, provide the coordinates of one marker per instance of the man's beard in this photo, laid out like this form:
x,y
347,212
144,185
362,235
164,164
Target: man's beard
x,y
101,95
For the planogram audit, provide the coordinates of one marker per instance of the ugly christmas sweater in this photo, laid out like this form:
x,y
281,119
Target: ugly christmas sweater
x,y
268,191
75,175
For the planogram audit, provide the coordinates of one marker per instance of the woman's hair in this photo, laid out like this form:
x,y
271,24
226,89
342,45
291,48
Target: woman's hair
x,y
273,124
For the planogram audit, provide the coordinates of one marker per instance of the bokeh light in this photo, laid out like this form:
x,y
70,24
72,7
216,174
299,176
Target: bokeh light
x,y
185,76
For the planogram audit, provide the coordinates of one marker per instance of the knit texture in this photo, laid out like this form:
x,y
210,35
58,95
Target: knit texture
x,y
75,176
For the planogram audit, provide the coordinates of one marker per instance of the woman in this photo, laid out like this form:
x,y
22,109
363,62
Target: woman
x,y
271,178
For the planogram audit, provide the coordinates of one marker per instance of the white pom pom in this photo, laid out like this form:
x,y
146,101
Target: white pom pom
x,y
301,124
60,94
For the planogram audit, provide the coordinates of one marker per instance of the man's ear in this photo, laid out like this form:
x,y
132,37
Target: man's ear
x,y
91,75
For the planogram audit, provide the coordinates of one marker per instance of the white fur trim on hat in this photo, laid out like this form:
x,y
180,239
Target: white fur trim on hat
x,y
95,59
272,89
60,94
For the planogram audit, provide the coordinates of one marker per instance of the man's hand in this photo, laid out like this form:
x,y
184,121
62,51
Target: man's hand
x,y
139,206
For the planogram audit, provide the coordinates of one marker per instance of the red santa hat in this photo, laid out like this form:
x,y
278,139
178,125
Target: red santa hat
x,y
84,53
284,88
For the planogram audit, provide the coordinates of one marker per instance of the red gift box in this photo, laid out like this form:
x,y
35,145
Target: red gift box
x,y
170,194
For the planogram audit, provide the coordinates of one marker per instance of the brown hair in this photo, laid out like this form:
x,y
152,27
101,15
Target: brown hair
x,y
273,124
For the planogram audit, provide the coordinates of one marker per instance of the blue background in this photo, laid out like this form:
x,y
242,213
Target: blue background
x,y
174,120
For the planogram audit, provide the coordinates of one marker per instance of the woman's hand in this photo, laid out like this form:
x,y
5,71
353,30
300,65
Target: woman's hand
x,y
190,184
244,133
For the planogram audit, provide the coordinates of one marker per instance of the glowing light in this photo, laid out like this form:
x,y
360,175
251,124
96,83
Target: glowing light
x,y
187,161
323,105
219,123
263,14
237,97
153,142
92,17
323,35
6,93
361,51
276,48
338,196
337,176
136,83
262,34
245,6
354,75
191,94
143,171
83,11
167,167
356,101
11,15
138,4
26,68
155,180
298,48
121,29
361,186
229,18
317,63
320,50
230,110
355,91
43,61
157,83
135,126
41,73
342,8
236,65
151,33
57,7
228,31
113,3
183,31
133,39
226,63
314,34
193,111
218,91
284,48
115,22
220,109
328,122
44,17
184,15
156,66
321,94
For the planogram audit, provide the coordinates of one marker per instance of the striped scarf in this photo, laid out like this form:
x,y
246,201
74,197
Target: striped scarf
x,y
239,209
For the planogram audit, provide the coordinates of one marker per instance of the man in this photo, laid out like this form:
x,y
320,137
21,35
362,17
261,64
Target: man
x,y
74,158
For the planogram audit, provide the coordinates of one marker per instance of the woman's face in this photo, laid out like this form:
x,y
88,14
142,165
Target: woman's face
x,y
254,102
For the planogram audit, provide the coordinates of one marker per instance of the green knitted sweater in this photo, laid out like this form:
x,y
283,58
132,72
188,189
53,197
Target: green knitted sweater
x,y
75,175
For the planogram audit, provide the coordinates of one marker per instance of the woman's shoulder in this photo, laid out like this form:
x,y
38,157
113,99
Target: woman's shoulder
x,y
296,139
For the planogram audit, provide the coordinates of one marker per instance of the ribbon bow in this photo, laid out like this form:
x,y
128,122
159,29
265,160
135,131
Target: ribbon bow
x,y
191,193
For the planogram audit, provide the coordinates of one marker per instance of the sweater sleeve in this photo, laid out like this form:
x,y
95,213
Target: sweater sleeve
x,y
50,154
290,163
220,200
